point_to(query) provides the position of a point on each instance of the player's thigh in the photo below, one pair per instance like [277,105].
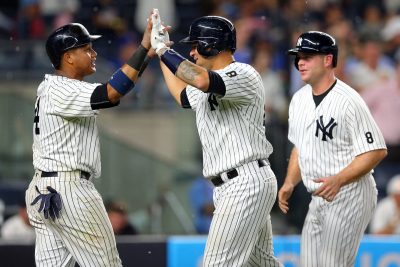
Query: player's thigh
[50,250]
[263,253]
[85,227]
[242,210]
[345,224]
[311,235]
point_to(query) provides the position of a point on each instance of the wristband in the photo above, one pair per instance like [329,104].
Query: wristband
[144,65]
[172,59]
[136,60]
[120,82]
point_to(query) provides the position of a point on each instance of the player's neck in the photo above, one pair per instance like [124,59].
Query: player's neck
[323,84]
[222,60]
[69,74]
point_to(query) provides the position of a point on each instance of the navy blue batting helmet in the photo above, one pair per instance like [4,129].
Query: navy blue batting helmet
[67,37]
[315,42]
[212,34]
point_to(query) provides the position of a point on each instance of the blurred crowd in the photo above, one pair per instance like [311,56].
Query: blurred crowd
[367,33]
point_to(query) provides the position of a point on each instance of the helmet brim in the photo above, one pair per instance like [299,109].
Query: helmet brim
[309,50]
[94,37]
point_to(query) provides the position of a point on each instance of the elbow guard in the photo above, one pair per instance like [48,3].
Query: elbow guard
[99,98]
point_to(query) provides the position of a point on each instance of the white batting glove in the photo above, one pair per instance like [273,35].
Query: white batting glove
[159,36]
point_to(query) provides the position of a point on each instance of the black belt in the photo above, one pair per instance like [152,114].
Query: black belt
[217,180]
[84,175]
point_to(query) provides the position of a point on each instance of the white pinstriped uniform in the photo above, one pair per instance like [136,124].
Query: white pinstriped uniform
[233,136]
[328,137]
[65,140]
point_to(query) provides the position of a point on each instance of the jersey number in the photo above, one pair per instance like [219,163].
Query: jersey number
[231,74]
[368,135]
[36,119]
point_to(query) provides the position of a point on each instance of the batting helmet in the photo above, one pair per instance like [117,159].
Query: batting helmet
[212,34]
[314,42]
[67,37]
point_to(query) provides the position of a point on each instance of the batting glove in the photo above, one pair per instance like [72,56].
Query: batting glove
[50,203]
[159,35]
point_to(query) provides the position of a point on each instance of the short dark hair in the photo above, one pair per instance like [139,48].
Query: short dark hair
[116,206]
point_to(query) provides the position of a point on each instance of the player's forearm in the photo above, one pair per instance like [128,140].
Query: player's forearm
[115,95]
[123,80]
[293,176]
[194,75]
[174,84]
[361,165]
[185,70]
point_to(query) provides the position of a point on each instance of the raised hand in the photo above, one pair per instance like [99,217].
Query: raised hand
[159,34]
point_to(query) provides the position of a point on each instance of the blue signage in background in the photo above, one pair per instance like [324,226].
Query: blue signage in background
[185,251]
[379,251]
[374,251]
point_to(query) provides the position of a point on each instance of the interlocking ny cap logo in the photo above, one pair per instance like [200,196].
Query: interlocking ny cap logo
[299,41]
[325,130]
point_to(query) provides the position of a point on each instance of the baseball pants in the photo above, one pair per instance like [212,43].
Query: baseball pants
[83,233]
[333,231]
[240,232]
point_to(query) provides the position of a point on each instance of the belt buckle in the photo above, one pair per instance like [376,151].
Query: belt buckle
[224,177]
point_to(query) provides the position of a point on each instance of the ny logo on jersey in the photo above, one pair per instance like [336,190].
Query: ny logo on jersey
[212,101]
[326,130]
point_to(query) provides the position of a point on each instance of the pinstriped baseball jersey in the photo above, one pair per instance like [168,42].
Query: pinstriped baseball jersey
[65,136]
[232,134]
[65,143]
[231,127]
[329,136]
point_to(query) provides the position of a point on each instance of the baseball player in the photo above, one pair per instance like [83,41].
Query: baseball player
[68,213]
[336,145]
[228,98]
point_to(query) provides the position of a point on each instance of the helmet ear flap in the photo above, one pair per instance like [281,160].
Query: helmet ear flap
[334,59]
[207,50]
[296,62]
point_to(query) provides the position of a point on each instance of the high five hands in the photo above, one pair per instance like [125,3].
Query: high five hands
[160,41]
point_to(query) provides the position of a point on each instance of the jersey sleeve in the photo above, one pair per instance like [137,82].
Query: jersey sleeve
[293,107]
[72,99]
[365,134]
[193,95]
[290,119]
[241,82]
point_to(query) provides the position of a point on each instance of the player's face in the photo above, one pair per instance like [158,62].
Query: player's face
[311,67]
[83,59]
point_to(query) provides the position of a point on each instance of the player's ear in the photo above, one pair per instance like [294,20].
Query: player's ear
[328,60]
[67,57]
